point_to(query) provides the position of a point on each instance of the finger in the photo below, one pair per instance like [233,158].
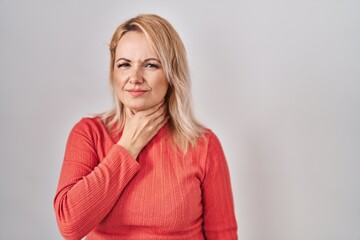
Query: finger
[129,113]
[161,111]
[163,122]
[158,106]
[156,128]
[159,119]
[155,118]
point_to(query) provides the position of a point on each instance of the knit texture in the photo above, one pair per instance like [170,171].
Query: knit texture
[104,193]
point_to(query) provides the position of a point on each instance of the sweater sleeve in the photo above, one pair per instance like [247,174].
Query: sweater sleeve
[218,207]
[87,188]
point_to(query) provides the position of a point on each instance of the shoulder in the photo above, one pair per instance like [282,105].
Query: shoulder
[88,127]
[210,152]
[211,137]
[209,141]
[89,122]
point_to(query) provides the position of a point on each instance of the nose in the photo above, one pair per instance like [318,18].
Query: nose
[136,76]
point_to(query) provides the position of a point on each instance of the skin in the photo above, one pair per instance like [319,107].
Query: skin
[141,86]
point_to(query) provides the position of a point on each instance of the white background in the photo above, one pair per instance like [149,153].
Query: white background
[277,81]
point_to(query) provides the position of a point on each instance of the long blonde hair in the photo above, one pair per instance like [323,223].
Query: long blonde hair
[167,44]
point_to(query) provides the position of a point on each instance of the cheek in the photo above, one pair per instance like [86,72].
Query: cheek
[161,83]
[118,85]
[119,81]
[162,87]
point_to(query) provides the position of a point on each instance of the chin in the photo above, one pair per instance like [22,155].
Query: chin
[140,104]
[137,108]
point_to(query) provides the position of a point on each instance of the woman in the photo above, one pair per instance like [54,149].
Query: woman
[147,169]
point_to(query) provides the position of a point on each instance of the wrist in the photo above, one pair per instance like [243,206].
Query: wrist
[129,149]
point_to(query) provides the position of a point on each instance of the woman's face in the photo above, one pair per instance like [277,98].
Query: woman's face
[139,77]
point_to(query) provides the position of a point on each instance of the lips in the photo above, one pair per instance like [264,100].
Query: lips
[136,92]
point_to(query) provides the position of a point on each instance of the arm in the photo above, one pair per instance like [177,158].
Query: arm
[218,206]
[87,189]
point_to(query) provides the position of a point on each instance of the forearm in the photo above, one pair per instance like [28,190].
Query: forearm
[82,202]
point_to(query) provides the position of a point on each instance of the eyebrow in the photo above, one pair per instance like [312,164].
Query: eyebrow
[148,59]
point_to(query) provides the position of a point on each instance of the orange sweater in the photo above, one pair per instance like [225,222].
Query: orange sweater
[104,193]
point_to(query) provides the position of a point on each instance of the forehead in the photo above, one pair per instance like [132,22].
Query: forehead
[134,46]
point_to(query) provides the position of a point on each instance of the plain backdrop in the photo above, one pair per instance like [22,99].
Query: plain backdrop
[278,82]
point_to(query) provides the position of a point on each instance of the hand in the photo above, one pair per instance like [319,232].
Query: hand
[141,127]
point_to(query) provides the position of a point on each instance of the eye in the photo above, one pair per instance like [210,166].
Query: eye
[123,65]
[152,65]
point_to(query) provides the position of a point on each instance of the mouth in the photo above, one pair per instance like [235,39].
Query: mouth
[136,92]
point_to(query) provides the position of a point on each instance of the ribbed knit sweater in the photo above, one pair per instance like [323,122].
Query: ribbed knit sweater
[104,193]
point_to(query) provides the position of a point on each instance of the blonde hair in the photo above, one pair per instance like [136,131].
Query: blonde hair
[167,44]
